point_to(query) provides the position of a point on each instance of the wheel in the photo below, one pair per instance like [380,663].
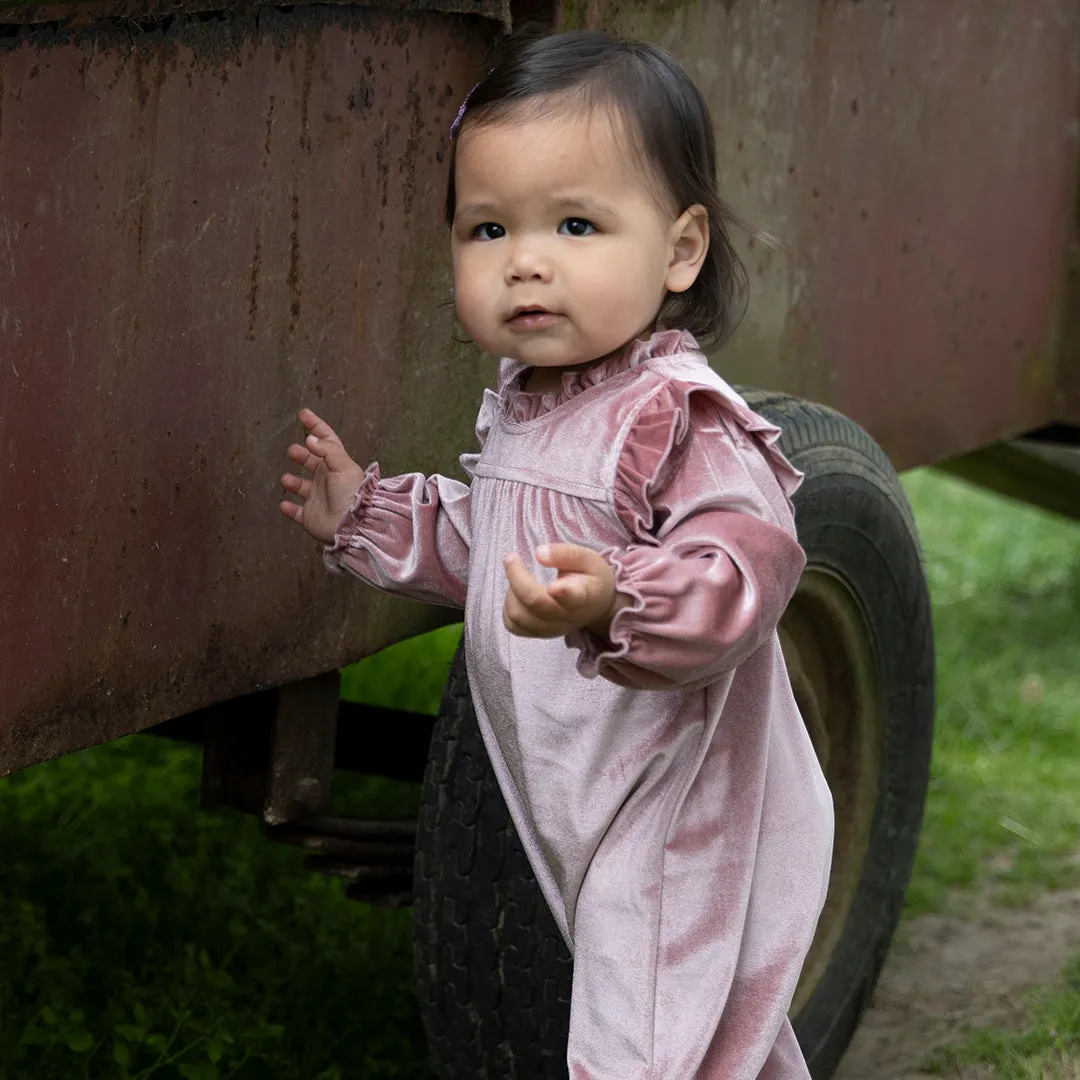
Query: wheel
[859,647]
[493,973]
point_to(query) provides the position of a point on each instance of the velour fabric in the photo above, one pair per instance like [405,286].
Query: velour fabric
[661,778]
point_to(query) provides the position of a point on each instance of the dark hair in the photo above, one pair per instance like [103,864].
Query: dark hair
[651,93]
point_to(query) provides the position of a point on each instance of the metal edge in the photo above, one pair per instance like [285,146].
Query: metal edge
[79,14]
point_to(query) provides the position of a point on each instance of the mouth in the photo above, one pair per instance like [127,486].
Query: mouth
[531,317]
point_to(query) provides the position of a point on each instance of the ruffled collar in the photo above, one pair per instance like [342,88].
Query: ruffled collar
[521,405]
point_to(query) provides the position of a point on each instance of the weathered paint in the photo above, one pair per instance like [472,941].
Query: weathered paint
[917,160]
[201,230]
[205,223]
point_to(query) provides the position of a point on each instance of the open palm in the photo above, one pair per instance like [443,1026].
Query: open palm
[323,495]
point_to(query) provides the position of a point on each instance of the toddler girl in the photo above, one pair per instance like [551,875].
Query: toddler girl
[623,553]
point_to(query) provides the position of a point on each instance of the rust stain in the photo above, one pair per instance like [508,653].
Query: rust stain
[293,279]
[361,98]
[253,293]
[358,309]
[269,128]
[382,164]
[305,96]
[407,169]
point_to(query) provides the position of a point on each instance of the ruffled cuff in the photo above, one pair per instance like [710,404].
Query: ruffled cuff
[352,521]
[597,651]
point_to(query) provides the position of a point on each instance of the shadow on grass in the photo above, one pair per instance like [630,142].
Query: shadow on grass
[141,938]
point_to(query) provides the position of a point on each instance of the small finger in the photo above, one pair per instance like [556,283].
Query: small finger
[569,557]
[320,447]
[512,622]
[296,485]
[548,619]
[516,617]
[527,589]
[521,581]
[327,453]
[303,457]
[523,623]
[316,425]
[569,591]
[293,511]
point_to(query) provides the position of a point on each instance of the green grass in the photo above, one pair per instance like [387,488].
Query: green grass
[406,676]
[1005,582]
[1002,816]
[1048,1048]
[142,939]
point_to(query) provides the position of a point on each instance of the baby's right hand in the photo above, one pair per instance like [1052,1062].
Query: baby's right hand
[334,478]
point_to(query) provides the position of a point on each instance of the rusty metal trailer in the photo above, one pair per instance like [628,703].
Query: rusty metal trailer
[210,213]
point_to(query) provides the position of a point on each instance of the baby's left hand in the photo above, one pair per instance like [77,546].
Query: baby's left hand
[583,595]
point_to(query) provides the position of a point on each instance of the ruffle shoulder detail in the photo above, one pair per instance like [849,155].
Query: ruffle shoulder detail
[659,435]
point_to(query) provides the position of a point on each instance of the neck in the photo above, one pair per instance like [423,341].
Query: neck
[544,380]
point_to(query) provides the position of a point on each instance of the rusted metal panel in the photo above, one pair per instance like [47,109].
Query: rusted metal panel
[918,161]
[206,222]
[200,230]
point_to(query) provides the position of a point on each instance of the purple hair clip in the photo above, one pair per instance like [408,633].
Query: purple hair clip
[460,114]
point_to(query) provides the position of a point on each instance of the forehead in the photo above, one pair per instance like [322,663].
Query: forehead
[532,156]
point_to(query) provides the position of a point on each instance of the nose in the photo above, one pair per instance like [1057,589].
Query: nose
[527,263]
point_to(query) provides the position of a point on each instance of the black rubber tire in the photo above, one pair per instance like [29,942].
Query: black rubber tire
[493,973]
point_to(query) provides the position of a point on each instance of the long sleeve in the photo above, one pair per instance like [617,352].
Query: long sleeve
[710,568]
[407,535]
[410,534]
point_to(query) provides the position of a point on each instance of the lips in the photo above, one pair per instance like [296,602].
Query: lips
[531,317]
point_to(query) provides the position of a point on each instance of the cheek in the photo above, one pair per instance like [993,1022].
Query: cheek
[475,294]
[467,286]
[619,284]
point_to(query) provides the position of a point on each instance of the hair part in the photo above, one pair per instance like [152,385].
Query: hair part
[646,90]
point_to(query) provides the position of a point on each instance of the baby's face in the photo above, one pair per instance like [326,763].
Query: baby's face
[560,253]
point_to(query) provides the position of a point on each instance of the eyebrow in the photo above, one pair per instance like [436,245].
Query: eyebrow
[588,206]
[474,210]
[580,203]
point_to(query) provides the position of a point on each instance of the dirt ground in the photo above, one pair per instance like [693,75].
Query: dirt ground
[946,975]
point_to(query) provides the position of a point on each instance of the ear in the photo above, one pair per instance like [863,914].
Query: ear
[688,242]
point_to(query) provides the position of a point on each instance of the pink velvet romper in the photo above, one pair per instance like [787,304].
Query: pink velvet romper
[662,780]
